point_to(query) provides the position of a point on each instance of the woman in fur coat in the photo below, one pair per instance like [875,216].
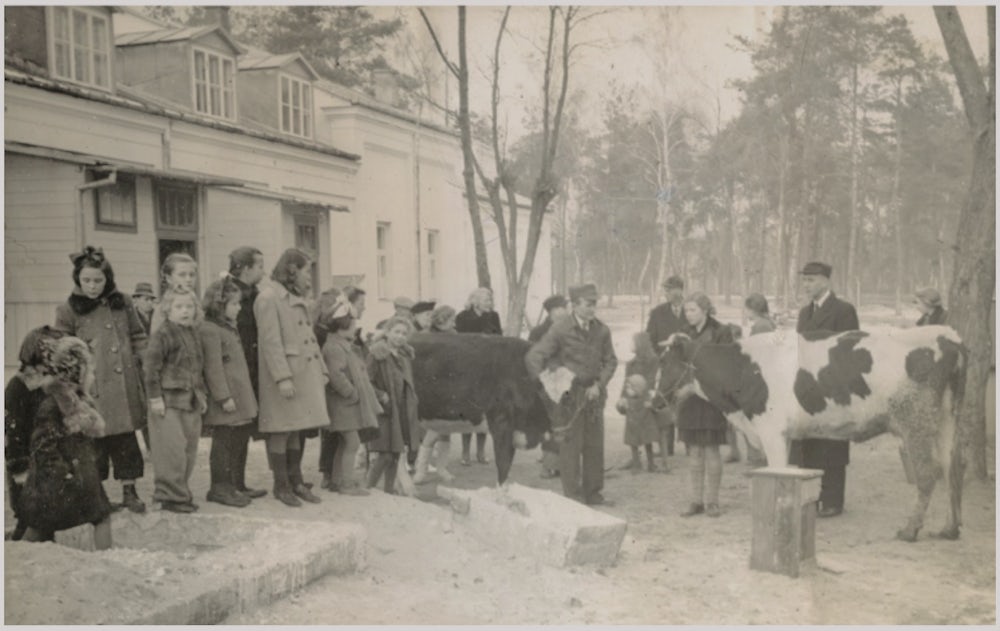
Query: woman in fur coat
[104,318]
[390,366]
[63,488]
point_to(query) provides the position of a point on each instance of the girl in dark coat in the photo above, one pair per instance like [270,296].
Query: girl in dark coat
[22,398]
[231,402]
[478,317]
[100,315]
[701,426]
[391,370]
[63,489]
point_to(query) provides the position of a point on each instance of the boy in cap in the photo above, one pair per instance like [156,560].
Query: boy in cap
[582,344]
[667,318]
[825,312]
[144,300]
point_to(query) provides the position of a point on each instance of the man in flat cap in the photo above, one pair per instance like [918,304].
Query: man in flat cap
[667,318]
[825,312]
[582,344]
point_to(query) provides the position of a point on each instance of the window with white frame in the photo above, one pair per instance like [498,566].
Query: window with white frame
[214,84]
[115,205]
[296,107]
[433,239]
[80,46]
[382,249]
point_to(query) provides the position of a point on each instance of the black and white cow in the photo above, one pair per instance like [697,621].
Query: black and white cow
[848,386]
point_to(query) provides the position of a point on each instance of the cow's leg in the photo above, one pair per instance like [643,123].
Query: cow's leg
[919,433]
[503,448]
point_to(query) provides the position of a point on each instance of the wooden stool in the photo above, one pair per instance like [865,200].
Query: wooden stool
[784,518]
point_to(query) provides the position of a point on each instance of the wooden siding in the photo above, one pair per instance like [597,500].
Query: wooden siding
[39,219]
[24,33]
[235,219]
[163,70]
[132,255]
[46,119]
[257,94]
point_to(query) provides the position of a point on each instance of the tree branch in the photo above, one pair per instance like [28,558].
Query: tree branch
[437,44]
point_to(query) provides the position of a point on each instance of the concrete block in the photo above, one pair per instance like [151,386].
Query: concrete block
[173,569]
[538,523]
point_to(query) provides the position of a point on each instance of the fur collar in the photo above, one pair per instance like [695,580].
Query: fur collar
[380,349]
[82,305]
[78,410]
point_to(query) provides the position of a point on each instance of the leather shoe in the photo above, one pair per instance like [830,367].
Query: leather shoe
[830,511]
[302,491]
[286,497]
[177,507]
[252,493]
[228,497]
[694,509]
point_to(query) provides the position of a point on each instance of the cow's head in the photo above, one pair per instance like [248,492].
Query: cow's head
[677,380]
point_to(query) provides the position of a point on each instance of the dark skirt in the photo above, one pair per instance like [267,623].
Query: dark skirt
[702,437]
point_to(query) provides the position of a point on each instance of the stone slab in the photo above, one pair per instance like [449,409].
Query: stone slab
[538,523]
[173,569]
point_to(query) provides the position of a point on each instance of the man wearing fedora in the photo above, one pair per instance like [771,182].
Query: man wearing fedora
[825,312]
[144,300]
[581,343]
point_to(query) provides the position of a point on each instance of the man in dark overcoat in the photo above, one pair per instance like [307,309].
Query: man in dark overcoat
[825,312]
[581,343]
[667,318]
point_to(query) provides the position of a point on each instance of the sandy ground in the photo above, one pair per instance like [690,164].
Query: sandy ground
[423,569]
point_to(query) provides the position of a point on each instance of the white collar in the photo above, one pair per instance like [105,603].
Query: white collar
[822,299]
[583,325]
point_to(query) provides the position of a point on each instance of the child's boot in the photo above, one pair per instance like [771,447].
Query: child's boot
[299,487]
[282,487]
[130,498]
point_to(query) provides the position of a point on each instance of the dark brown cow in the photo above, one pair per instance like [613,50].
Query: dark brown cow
[465,377]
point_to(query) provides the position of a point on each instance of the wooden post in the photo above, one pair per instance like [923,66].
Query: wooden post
[784,518]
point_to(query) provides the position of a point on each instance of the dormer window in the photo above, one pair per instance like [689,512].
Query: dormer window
[214,84]
[80,45]
[296,107]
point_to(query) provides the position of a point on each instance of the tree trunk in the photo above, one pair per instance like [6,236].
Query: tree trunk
[783,254]
[895,204]
[852,236]
[973,283]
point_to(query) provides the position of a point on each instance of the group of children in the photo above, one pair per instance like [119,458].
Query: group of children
[87,384]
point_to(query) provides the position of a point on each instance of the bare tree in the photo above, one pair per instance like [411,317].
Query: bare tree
[461,72]
[974,279]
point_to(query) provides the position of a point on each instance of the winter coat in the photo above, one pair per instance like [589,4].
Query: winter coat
[392,373]
[174,367]
[246,326]
[287,349]
[663,323]
[696,413]
[63,488]
[226,376]
[350,397]
[468,321]
[20,406]
[938,316]
[110,327]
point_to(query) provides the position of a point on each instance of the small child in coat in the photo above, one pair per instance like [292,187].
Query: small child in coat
[640,421]
[173,368]
[232,405]
[63,488]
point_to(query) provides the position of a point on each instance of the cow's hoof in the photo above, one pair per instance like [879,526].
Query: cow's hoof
[951,534]
[907,534]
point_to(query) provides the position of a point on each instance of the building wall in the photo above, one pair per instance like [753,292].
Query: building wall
[164,70]
[24,32]
[235,219]
[257,94]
